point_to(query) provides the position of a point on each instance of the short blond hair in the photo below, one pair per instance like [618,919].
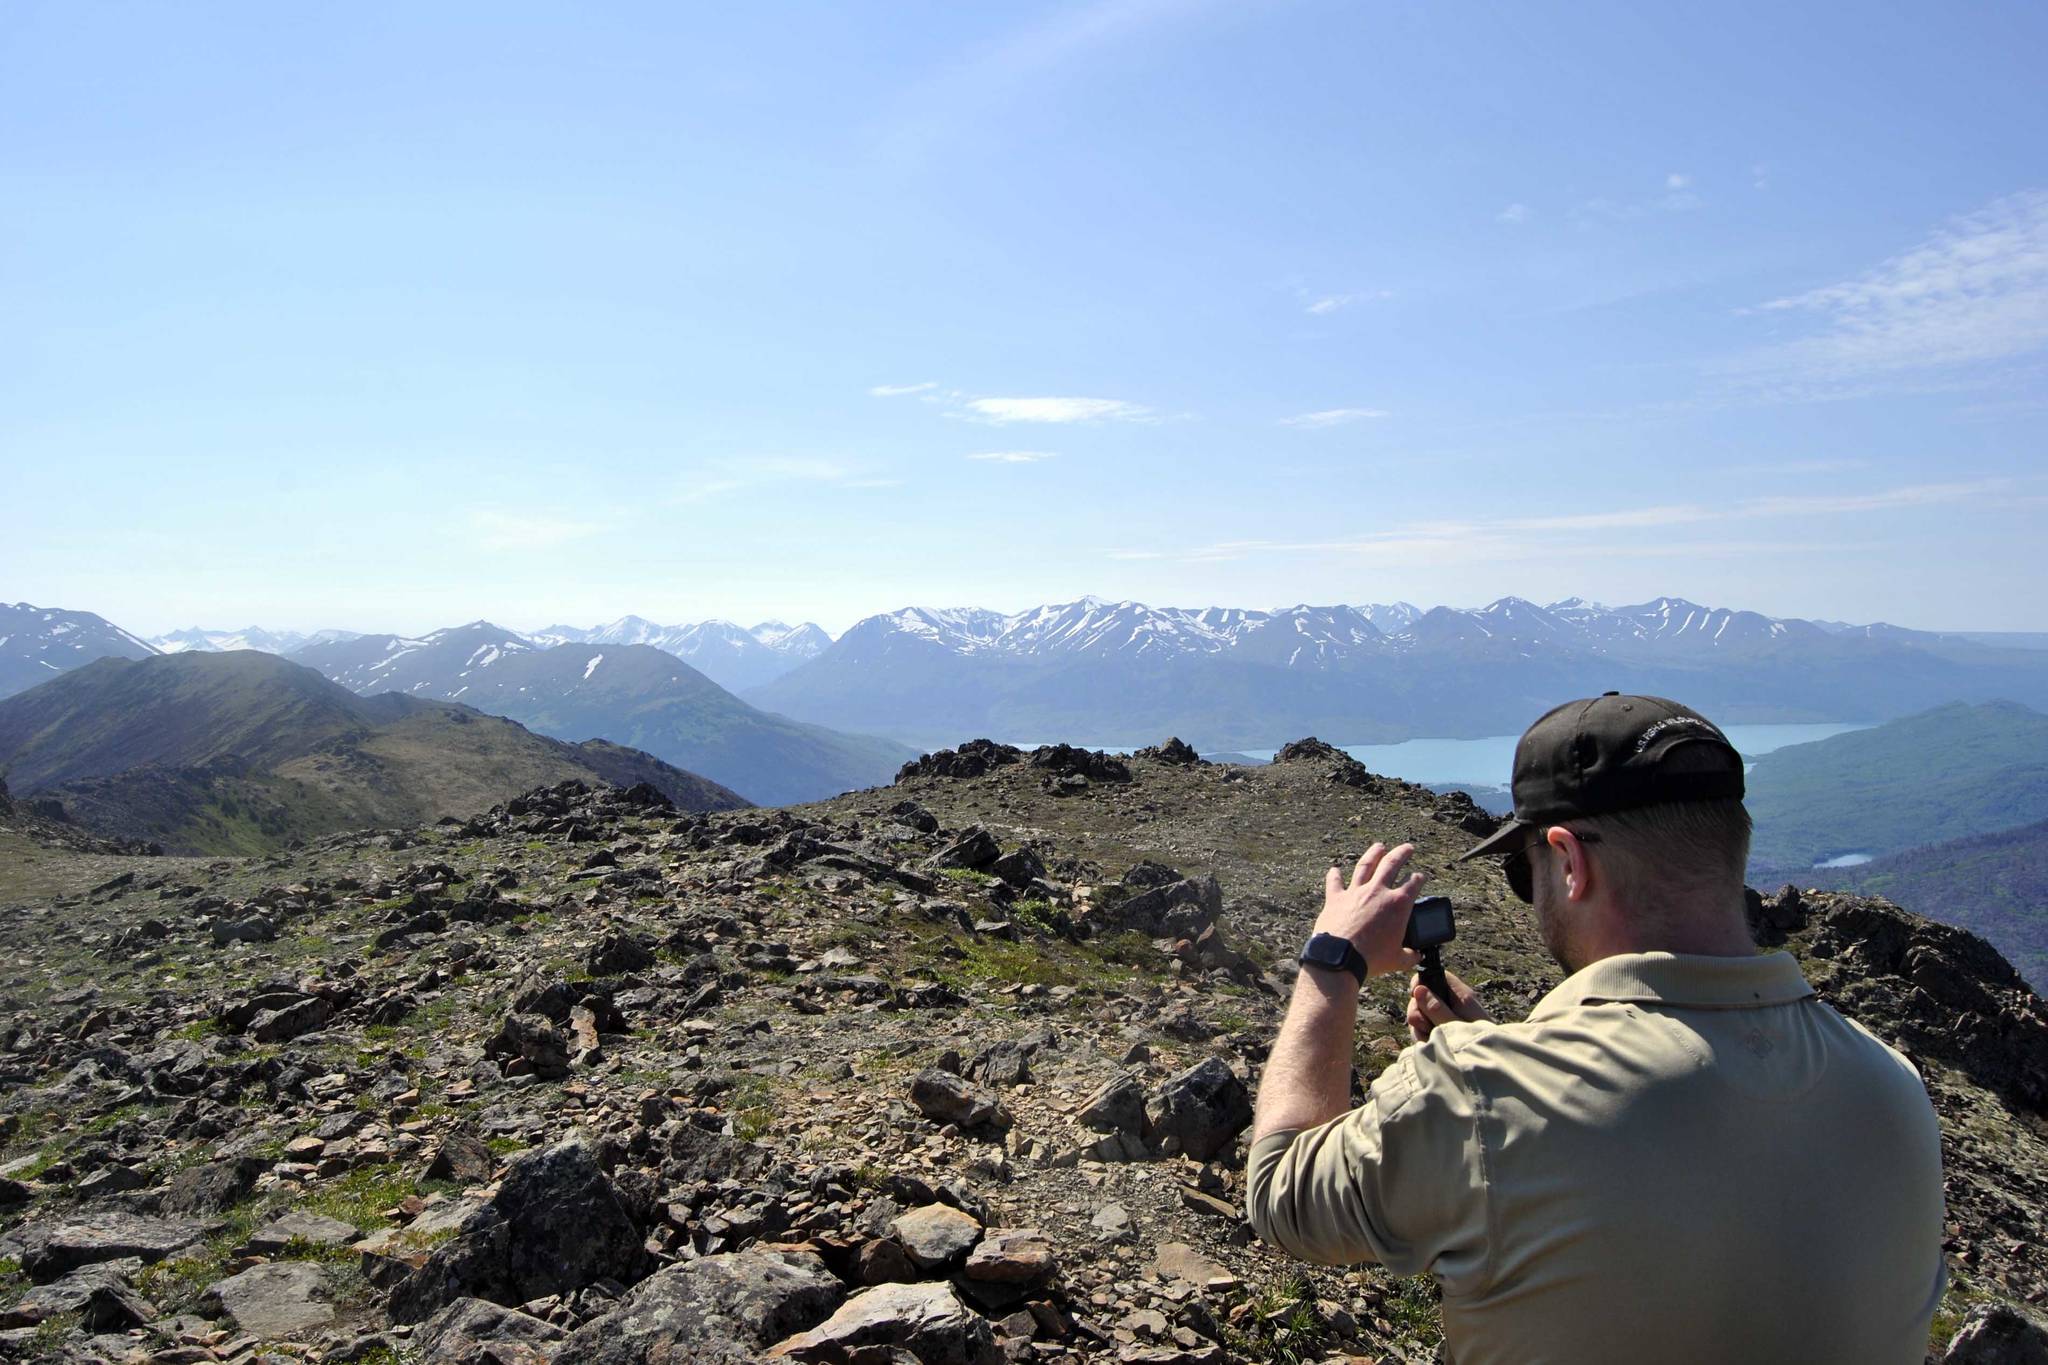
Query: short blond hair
[1676,846]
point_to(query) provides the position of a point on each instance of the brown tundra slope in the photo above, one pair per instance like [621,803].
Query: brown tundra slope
[956,1068]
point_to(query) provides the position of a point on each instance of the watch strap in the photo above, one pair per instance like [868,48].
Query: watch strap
[1330,950]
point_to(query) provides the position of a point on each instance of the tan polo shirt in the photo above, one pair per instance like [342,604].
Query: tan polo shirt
[1674,1158]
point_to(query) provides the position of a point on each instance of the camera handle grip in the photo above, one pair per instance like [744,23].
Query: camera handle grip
[1432,974]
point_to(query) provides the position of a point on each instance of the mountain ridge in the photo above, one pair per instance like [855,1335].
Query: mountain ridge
[241,751]
[632,694]
[1101,672]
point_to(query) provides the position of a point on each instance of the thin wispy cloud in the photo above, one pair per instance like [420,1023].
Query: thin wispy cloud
[1057,410]
[1514,213]
[492,529]
[1326,304]
[1015,64]
[1677,196]
[900,390]
[1332,417]
[1012,456]
[1493,539]
[1975,293]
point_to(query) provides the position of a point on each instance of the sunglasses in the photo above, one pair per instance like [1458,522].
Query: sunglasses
[1522,876]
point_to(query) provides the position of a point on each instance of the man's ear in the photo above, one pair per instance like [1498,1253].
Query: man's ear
[1578,868]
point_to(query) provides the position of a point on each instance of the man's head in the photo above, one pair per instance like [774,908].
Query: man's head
[1629,830]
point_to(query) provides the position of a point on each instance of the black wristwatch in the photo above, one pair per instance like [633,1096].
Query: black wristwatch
[1328,950]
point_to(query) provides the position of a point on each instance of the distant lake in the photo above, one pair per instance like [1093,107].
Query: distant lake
[1488,762]
[1845,860]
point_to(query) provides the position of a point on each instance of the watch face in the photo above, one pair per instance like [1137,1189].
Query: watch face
[1325,950]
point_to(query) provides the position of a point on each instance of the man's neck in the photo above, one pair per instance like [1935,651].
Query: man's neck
[1706,932]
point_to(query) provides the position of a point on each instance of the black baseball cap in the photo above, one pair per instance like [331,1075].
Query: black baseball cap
[1608,753]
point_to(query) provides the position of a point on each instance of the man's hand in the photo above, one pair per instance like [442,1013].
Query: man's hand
[1425,1011]
[1373,911]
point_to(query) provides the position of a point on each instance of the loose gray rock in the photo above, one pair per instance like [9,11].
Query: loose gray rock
[945,1098]
[100,1294]
[1019,867]
[284,1300]
[936,1237]
[718,1310]
[1200,1111]
[532,1039]
[1118,1106]
[213,1186]
[48,1250]
[465,1327]
[312,1229]
[556,1224]
[927,1320]
[1011,1256]
[616,954]
[975,850]
[1998,1335]
[253,929]
[281,1025]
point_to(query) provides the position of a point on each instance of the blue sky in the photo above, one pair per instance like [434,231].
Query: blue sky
[388,317]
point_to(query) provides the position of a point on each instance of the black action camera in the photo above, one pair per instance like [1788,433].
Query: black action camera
[1430,927]
[1430,924]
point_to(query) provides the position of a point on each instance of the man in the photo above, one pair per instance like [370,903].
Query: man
[1680,1155]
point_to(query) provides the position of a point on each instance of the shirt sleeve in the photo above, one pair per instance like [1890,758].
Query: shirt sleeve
[1400,1180]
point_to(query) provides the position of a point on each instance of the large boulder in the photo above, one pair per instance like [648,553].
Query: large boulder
[213,1186]
[556,1224]
[467,1328]
[617,953]
[99,1294]
[282,1300]
[971,759]
[1176,752]
[1116,1106]
[47,1250]
[1065,760]
[1998,1335]
[717,1310]
[1022,1256]
[945,1098]
[974,851]
[290,1021]
[1200,1111]
[1181,908]
[927,1320]
[937,1237]
[531,1043]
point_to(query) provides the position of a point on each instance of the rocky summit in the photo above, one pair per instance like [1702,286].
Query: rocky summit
[956,1071]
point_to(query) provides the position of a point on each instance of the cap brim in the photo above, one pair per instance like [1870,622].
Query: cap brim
[1503,840]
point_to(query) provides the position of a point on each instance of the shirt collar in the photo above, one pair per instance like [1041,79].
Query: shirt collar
[1684,979]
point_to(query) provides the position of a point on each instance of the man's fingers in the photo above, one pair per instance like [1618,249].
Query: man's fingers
[1333,880]
[1422,998]
[1413,884]
[1366,862]
[1391,865]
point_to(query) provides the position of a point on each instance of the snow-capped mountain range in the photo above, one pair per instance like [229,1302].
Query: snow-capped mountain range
[730,655]
[249,637]
[1125,672]
[1314,637]
[1120,672]
[38,643]
[627,692]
